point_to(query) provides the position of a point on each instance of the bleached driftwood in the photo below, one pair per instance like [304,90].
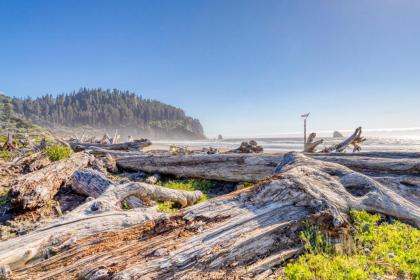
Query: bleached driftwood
[226,167]
[36,188]
[135,145]
[94,217]
[92,183]
[248,233]
[310,145]
[355,140]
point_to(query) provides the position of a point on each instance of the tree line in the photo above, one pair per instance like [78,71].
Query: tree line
[104,108]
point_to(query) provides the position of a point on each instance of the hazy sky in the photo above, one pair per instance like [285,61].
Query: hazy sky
[241,67]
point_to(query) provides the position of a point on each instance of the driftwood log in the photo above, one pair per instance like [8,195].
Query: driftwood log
[135,145]
[355,140]
[247,234]
[36,188]
[226,167]
[251,168]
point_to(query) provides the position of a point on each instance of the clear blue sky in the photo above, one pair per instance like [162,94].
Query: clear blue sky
[241,67]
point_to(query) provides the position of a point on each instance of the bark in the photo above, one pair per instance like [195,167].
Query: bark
[35,189]
[135,145]
[247,234]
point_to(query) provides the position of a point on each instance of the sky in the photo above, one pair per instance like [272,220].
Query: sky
[244,68]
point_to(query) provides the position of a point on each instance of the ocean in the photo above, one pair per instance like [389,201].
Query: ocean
[397,143]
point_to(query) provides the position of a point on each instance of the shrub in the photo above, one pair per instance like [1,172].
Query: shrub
[382,249]
[57,152]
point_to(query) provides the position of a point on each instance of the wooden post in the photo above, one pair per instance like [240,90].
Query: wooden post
[304,116]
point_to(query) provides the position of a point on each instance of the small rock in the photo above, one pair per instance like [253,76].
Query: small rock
[391,255]
[337,134]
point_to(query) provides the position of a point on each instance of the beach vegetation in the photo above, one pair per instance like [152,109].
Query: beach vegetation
[57,152]
[382,250]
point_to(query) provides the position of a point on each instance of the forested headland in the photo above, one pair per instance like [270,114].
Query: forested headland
[109,110]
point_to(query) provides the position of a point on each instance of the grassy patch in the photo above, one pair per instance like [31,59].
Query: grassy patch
[190,185]
[3,197]
[6,155]
[381,250]
[57,152]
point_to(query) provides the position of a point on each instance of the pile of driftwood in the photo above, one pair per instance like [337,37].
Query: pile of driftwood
[248,233]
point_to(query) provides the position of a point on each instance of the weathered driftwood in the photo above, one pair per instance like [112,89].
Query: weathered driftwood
[36,188]
[355,140]
[93,217]
[251,168]
[135,145]
[375,165]
[92,183]
[310,145]
[226,167]
[248,233]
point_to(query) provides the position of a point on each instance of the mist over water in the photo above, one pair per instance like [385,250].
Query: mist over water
[377,140]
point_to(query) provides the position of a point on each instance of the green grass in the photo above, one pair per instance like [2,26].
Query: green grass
[3,197]
[190,185]
[57,152]
[6,155]
[380,250]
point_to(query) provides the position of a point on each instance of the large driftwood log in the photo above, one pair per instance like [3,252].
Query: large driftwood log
[251,168]
[248,233]
[36,188]
[135,145]
[226,167]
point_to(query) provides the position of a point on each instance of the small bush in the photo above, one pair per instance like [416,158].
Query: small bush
[382,250]
[57,152]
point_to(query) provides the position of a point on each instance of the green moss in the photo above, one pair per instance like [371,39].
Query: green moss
[190,185]
[382,250]
[57,152]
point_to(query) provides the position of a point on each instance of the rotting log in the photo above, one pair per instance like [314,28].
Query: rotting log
[135,145]
[34,189]
[248,233]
